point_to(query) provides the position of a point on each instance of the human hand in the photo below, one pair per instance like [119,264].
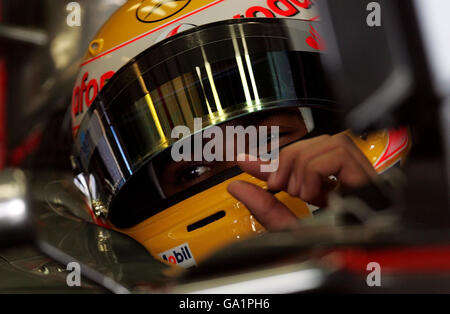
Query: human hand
[304,171]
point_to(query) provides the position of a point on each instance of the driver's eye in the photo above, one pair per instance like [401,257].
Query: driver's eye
[192,173]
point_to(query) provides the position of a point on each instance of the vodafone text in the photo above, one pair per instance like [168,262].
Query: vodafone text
[280,8]
[84,95]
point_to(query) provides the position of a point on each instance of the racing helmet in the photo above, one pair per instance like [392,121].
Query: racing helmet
[201,64]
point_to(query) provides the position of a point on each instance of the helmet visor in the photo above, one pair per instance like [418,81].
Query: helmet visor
[218,73]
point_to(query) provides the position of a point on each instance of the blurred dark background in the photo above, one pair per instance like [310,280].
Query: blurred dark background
[39,60]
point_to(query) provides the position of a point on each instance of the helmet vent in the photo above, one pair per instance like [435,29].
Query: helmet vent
[206,221]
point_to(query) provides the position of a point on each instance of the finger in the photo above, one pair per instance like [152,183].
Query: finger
[320,148]
[280,179]
[267,209]
[338,162]
[253,167]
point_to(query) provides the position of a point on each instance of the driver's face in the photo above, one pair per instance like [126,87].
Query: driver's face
[177,176]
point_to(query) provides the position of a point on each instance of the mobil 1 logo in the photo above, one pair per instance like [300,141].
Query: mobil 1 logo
[180,255]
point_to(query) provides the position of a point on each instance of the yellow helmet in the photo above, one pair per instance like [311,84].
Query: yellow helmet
[161,64]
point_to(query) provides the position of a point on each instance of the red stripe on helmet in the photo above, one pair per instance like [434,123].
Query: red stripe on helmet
[398,140]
